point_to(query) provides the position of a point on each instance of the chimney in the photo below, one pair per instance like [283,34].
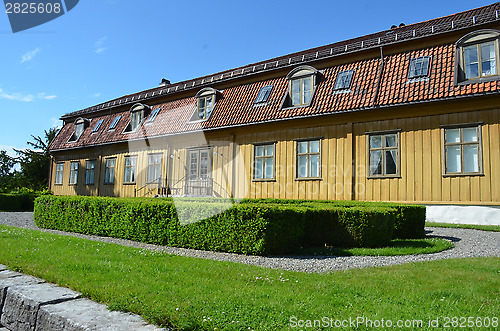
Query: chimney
[164,82]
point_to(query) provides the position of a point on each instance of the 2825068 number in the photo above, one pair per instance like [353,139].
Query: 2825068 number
[32,8]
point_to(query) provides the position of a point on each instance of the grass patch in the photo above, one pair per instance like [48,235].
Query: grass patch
[493,228]
[395,247]
[198,294]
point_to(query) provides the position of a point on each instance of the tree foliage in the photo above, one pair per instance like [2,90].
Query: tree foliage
[35,163]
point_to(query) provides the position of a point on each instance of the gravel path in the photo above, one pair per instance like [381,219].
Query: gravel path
[468,243]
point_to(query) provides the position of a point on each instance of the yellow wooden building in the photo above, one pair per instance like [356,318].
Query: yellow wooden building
[410,114]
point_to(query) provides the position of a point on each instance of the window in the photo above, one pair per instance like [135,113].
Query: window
[477,56]
[462,147]
[73,173]
[480,60]
[383,154]
[137,114]
[343,80]
[115,122]
[308,158]
[263,94]
[153,115]
[129,169]
[89,172]
[301,91]
[80,125]
[301,86]
[59,173]
[154,167]
[263,162]
[419,67]
[109,171]
[205,107]
[206,99]
[97,126]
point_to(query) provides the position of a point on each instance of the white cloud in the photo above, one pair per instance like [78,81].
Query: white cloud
[30,55]
[25,97]
[99,45]
[56,123]
[96,95]
[10,150]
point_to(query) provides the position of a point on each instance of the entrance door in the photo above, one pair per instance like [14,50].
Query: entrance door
[199,179]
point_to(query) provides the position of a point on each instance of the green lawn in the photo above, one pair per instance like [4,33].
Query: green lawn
[395,247]
[494,228]
[197,294]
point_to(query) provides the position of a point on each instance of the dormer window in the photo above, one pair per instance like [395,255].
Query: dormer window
[344,79]
[80,125]
[301,86]
[137,114]
[419,67]
[477,57]
[207,98]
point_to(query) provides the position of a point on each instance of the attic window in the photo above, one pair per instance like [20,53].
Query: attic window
[80,125]
[115,122]
[301,87]
[97,126]
[137,114]
[207,99]
[477,56]
[263,94]
[153,115]
[343,81]
[419,67]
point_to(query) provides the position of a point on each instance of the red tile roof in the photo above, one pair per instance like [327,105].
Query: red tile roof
[236,104]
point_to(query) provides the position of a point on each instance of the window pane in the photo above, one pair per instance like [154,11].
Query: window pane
[470,54]
[471,70]
[302,147]
[259,151]
[127,174]
[390,140]
[453,163]
[376,163]
[453,135]
[390,162]
[296,86]
[375,141]
[488,68]
[314,166]
[487,51]
[269,150]
[296,99]
[259,168]
[471,160]
[269,165]
[302,166]
[470,134]
[314,146]
[307,97]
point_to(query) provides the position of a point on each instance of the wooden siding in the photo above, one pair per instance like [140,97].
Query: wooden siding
[344,162]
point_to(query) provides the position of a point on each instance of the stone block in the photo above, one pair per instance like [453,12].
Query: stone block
[84,314]
[2,267]
[11,278]
[22,303]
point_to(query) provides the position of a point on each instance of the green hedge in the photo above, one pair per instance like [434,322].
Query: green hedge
[17,202]
[265,227]
[409,222]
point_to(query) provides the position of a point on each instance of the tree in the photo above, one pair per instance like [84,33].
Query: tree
[6,170]
[35,163]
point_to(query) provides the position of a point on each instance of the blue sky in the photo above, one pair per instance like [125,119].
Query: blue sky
[103,49]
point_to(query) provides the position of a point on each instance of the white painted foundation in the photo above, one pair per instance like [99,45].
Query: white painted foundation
[484,215]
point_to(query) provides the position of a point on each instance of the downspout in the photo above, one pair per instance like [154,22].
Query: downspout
[379,81]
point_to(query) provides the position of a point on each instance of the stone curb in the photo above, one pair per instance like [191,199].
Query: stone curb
[30,304]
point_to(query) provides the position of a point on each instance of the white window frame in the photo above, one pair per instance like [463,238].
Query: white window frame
[59,174]
[462,144]
[109,170]
[308,156]
[73,172]
[264,157]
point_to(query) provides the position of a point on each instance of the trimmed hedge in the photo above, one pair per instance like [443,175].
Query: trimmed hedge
[409,222]
[17,202]
[265,227]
